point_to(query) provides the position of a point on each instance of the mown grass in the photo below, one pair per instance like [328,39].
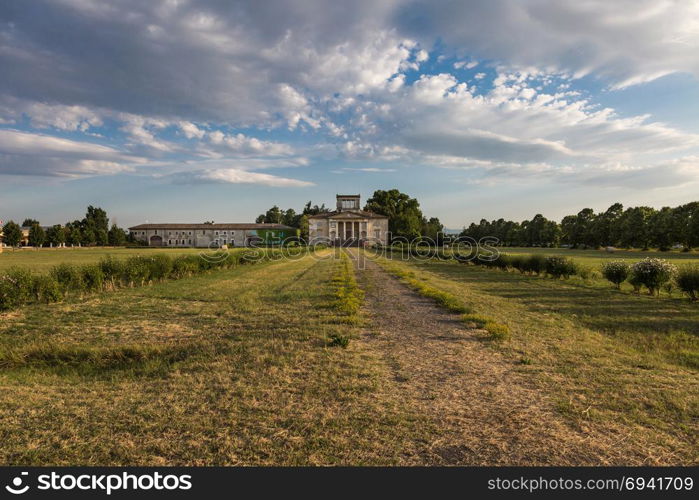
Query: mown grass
[628,363]
[43,259]
[595,258]
[446,300]
[231,367]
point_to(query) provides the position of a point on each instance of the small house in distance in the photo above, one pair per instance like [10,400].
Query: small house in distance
[348,224]
[209,235]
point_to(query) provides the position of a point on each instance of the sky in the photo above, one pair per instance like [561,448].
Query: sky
[186,111]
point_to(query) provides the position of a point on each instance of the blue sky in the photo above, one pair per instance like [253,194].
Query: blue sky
[177,110]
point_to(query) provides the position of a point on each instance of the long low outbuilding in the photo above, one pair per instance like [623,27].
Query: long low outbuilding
[210,235]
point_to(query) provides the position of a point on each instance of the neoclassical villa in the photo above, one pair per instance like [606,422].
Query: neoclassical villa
[211,235]
[348,224]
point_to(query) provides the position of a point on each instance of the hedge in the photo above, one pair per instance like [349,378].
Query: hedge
[18,286]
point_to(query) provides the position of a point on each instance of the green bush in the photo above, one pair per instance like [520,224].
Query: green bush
[616,271]
[183,266]
[653,273]
[137,271]
[535,263]
[112,270]
[92,277]
[518,262]
[15,288]
[46,289]
[160,266]
[560,266]
[68,276]
[688,281]
[339,340]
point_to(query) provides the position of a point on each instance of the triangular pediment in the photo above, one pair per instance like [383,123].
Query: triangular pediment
[348,215]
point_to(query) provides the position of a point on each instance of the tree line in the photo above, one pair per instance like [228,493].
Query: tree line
[633,227]
[92,230]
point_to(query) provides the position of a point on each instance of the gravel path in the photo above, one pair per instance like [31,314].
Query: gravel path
[486,412]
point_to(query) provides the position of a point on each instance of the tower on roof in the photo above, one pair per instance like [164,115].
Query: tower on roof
[347,202]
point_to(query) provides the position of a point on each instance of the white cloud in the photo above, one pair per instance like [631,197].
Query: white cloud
[23,153]
[235,176]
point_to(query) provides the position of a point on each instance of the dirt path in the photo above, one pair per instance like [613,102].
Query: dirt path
[486,412]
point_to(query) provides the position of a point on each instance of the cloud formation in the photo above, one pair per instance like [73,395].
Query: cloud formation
[99,87]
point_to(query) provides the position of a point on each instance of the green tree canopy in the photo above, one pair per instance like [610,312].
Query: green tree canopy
[11,234]
[403,212]
[37,236]
[56,235]
[29,222]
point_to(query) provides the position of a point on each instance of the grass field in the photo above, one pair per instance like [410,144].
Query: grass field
[43,259]
[279,363]
[611,359]
[595,258]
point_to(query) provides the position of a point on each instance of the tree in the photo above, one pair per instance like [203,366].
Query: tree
[117,236]
[273,216]
[12,234]
[37,236]
[432,229]
[29,222]
[56,235]
[101,237]
[96,218]
[88,237]
[403,212]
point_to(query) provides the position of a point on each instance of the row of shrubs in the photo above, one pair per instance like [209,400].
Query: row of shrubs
[19,286]
[552,265]
[654,274]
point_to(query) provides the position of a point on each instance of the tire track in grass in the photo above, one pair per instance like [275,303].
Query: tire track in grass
[484,412]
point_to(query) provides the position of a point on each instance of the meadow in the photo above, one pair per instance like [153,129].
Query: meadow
[323,361]
[42,260]
[595,258]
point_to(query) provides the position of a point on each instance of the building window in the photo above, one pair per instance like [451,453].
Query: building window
[333,224]
[189,242]
[377,233]
[169,242]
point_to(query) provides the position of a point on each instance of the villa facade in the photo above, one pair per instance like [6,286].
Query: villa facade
[348,224]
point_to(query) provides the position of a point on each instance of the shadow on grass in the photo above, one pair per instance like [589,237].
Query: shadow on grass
[647,323]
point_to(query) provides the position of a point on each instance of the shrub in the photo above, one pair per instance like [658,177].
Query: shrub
[92,277]
[616,271]
[535,264]
[653,273]
[160,267]
[497,331]
[560,266]
[518,262]
[688,281]
[339,340]
[183,266]
[46,289]
[15,288]
[136,271]
[112,270]
[68,277]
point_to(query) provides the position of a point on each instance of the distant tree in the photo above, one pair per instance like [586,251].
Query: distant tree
[101,237]
[11,234]
[29,222]
[303,226]
[432,229]
[635,227]
[37,236]
[273,216]
[315,209]
[117,236]
[289,218]
[96,218]
[88,237]
[56,235]
[403,212]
